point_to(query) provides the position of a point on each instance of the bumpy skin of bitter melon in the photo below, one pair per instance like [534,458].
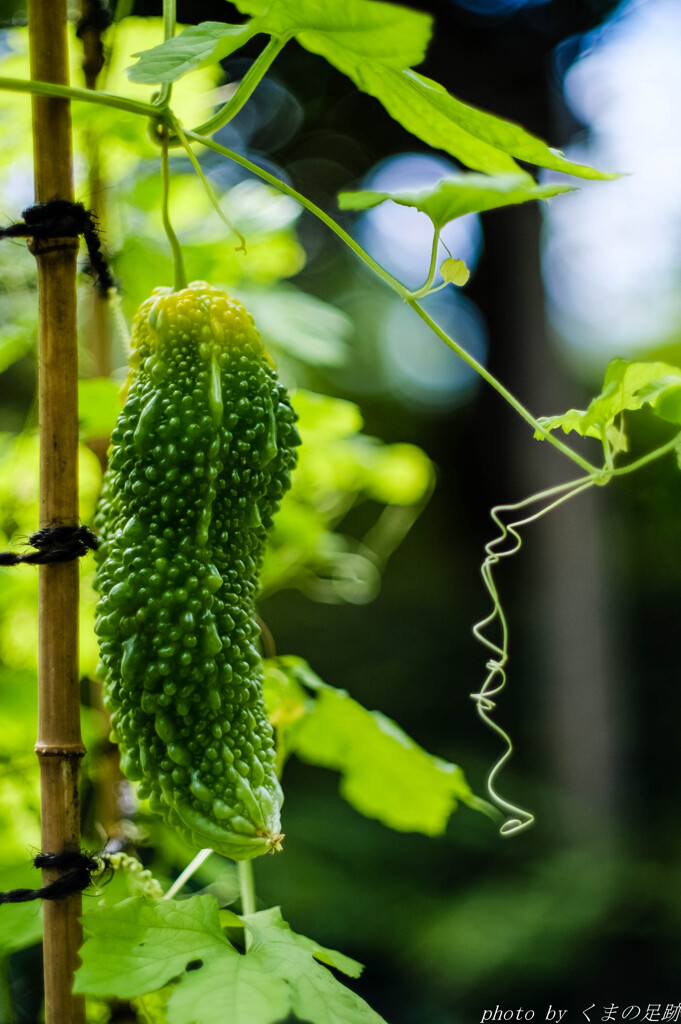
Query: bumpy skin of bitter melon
[200,459]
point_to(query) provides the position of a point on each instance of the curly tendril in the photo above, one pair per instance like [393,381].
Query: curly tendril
[517,818]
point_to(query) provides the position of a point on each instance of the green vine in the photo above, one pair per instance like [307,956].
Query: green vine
[495,681]
[166,130]
[245,89]
[72,92]
[427,286]
[179,272]
[517,818]
[163,115]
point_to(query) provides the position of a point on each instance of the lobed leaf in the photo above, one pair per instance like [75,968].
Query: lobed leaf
[235,989]
[456,196]
[375,44]
[269,926]
[626,387]
[139,945]
[316,996]
[153,942]
[392,35]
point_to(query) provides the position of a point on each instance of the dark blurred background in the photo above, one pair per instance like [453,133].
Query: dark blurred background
[584,908]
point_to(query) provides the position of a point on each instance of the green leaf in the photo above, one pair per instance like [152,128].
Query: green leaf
[627,386]
[230,988]
[456,196]
[490,130]
[269,926]
[395,37]
[568,421]
[138,945]
[455,272]
[99,404]
[300,672]
[278,975]
[664,396]
[316,996]
[285,699]
[351,31]
[196,47]
[479,140]
[252,7]
[384,773]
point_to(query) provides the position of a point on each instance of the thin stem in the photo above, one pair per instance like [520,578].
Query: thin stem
[307,203]
[438,288]
[208,187]
[246,886]
[72,92]
[179,273]
[247,891]
[245,89]
[122,10]
[168,32]
[403,292]
[185,875]
[426,286]
[504,392]
[168,19]
[650,457]
[607,450]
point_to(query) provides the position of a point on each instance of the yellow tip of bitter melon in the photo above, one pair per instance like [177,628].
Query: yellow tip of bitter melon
[200,459]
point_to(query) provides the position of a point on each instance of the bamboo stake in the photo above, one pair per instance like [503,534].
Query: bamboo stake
[59,746]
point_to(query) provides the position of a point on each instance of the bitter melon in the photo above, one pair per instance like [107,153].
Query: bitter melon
[199,461]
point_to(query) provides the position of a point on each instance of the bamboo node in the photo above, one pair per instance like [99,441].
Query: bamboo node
[70,751]
[43,246]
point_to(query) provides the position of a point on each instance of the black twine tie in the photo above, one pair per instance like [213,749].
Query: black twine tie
[54,544]
[60,218]
[78,870]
